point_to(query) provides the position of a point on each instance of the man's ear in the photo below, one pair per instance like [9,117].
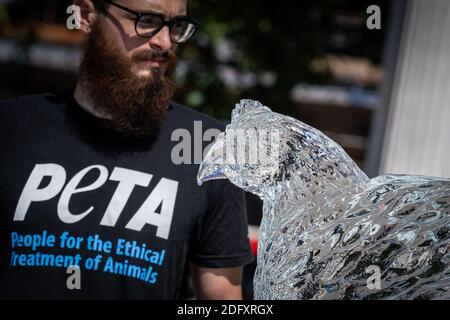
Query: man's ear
[86,15]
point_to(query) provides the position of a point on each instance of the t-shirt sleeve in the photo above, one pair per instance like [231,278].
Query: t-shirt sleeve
[220,239]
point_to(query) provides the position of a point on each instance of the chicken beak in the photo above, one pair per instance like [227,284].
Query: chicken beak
[211,167]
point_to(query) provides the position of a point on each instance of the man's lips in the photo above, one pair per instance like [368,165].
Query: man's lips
[155,62]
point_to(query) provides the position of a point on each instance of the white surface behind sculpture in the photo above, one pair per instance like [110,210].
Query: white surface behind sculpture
[418,135]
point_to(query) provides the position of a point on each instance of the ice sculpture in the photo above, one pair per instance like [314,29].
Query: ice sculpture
[327,229]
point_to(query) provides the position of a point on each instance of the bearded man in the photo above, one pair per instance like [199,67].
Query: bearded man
[92,204]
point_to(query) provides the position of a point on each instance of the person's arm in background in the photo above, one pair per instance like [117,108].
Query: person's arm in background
[217,284]
[219,246]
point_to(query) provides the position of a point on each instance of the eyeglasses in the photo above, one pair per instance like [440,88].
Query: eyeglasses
[149,24]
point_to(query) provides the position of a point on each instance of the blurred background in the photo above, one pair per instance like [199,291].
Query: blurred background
[383,94]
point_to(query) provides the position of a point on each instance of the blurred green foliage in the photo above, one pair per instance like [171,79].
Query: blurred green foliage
[3,14]
[268,47]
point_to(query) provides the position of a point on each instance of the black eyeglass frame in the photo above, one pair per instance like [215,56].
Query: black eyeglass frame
[165,22]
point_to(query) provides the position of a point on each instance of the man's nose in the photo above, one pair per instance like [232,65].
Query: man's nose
[162,39]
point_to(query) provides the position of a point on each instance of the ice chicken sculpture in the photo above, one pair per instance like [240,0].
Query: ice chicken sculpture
[328,231]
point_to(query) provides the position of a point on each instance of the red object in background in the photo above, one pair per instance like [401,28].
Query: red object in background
[254,246]
[253,236]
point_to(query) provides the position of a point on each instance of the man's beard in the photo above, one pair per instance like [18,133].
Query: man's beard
[135,107]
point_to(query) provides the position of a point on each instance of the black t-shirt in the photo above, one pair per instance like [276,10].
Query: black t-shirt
[72,193]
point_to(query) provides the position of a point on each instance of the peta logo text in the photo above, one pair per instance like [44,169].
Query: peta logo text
[163,196]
